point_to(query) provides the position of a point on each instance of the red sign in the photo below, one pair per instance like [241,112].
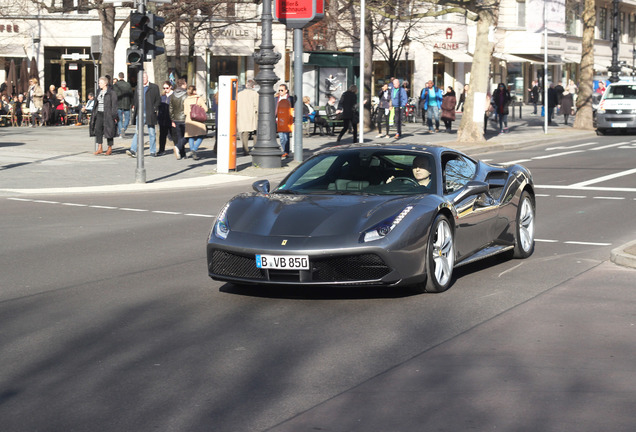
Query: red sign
[298,13]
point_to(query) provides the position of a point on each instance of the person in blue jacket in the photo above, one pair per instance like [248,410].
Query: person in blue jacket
[432,102]
[399,98]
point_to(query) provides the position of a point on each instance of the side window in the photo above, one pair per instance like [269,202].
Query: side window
[457,172]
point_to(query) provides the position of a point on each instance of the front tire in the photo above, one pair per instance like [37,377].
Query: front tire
[440,256]
[524,241]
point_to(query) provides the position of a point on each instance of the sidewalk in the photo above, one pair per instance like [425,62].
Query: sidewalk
[60,159]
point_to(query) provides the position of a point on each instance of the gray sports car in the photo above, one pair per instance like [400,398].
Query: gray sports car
[374,215]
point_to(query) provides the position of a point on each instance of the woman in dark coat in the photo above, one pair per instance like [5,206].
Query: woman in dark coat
[448,108]
[347,106]
[567,102]
[501,100]
[104,118]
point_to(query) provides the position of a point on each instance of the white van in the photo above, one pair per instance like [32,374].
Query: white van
[617,108]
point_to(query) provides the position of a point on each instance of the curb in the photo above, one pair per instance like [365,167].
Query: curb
[624,255]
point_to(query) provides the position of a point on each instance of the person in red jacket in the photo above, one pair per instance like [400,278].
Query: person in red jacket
[284,118]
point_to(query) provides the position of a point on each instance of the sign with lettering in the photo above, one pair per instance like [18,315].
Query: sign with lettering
[298,13]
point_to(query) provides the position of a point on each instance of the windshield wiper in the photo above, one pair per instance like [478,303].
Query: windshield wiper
[286,191]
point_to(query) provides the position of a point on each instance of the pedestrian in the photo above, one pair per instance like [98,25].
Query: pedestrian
[534,95]
[163,118]
[35,100]
[87,110]
[573,90]
[178,117]
[383,110]
[195,130]
[152,99]
[552,103]
[448,108]
[284,118]
[247,114]
[559,91]
[125,97]
[601,87]
[567,104]
[103,122]
[19,108]
[501,101]
[348,112]
[432,102]
[331,109]
[399,99]
[311,115]
[462,99]
[488,111]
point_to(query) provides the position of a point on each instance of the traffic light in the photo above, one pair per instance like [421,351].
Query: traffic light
[154,35]
[136,54]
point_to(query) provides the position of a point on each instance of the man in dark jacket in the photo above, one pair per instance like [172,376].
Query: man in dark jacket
[125,96]
[347,107]
[152,100]
[178,117]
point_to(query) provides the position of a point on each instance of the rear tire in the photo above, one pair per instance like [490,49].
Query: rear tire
[524,232]
[440,256]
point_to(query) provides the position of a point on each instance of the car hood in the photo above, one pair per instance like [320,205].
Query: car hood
[310,216]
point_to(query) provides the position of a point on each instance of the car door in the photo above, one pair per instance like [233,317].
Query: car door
[476,214]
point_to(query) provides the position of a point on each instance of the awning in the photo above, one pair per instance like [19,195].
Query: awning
[456,56]
[572,58]
[539,58]
[510,58]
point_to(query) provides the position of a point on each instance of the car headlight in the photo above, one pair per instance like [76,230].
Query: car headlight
[600,111]
[221,225]
[386,226]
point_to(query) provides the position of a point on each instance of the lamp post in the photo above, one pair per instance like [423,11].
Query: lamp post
[615,68]
[406,45]
[266,153]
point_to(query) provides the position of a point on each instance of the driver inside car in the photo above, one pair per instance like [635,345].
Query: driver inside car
[421,171]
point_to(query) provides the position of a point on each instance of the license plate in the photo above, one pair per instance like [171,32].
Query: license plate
[283,262]
[619,125]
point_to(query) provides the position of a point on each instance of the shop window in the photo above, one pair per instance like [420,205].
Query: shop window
[68,6]
[521,13]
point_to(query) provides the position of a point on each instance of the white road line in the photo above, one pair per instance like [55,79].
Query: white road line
[75,205]
[609,198]
[586,188]
[20,199]
[542,195]
[46,202]
[166,212]
[557,154]
[199,215]
[133,209]
[587,243]
[515,162]
[605,178]
[571,196]
[103,207]
[545,241]
[609,146]
[571,147]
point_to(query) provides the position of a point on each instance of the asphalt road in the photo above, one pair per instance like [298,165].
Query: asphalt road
[109,321]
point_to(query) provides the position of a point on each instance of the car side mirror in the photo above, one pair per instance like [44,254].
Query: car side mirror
[261,186]
[473,187]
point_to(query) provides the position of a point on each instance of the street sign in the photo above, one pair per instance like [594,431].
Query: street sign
[75,56]
[298,13]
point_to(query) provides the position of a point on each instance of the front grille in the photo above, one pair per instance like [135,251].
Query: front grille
[620,119]
[228,264]
[349,268]
[615,111]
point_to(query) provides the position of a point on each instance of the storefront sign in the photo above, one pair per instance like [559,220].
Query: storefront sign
[9,28]
[447,45]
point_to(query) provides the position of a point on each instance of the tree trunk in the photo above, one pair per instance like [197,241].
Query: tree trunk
[107,18]
[368,71]
[584,115]
[471,128]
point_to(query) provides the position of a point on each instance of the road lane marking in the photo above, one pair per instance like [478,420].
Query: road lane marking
[609,146]
[103,207]
[571,147]
[587,188]
[608,198]
[199,215]
[74,204]
[132,209]
[515,162]
[571,196]
[605,178]
[545,241]
[166,212]
[46,202]
[557,154]
[587,243]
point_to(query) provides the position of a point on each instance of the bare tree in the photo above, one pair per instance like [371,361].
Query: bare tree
[584,115]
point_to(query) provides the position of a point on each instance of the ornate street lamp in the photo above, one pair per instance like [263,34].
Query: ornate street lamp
[266,152]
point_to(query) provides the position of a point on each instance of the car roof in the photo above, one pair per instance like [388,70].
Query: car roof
[433,149]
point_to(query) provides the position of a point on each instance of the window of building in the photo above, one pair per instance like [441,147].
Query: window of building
[632,28]
[621,26]
[602,24]
[521,13]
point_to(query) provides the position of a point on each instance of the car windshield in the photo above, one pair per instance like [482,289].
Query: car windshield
[364,171]
[621,92]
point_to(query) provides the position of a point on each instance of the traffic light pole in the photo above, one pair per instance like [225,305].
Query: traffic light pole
[140,171]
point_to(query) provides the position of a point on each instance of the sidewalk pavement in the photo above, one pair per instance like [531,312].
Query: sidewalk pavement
[59,159]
